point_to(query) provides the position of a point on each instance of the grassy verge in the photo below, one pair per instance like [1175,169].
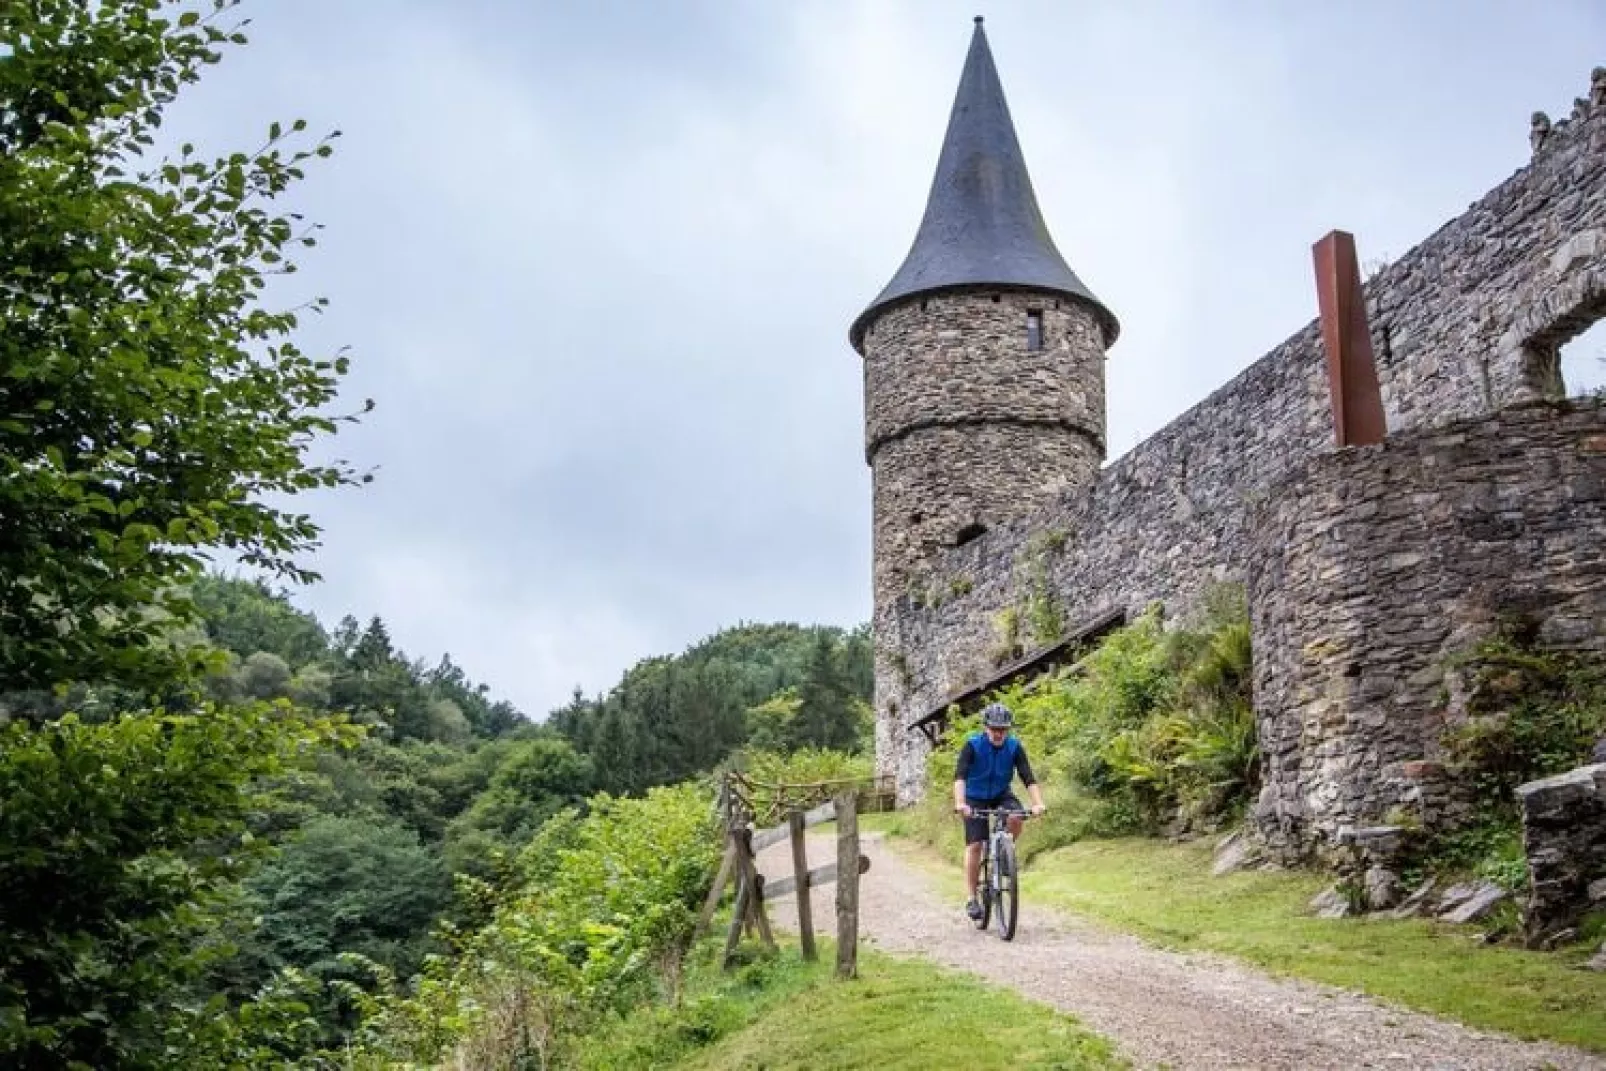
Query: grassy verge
[780,1013]
[1165,893]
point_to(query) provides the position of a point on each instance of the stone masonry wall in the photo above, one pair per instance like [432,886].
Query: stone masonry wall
[1369,567]
[1564,838]
[1468,321]
[965,426]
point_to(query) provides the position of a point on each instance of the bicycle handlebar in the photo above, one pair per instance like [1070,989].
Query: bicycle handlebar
[988,812]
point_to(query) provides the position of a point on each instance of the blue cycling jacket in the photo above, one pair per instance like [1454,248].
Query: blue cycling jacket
[988,770]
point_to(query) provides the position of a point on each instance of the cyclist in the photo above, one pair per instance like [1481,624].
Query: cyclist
[988,763]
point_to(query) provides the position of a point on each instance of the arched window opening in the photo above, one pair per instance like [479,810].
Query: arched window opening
[1582,363]
[1565,356]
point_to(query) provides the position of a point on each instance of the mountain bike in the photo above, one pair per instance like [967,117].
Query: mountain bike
[998,885]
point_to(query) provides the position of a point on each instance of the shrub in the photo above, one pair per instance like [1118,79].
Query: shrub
[1153,726]
[603,915]
[120,847]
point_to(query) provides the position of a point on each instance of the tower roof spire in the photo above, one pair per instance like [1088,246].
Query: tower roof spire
[982,225]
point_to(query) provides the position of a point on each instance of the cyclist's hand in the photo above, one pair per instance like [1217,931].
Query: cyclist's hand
[964,809]
[1039,809]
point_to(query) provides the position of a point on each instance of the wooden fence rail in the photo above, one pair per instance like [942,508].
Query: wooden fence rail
[768,804]
[739,865]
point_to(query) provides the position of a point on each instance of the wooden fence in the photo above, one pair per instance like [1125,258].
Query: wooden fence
[768,804]
[792,809]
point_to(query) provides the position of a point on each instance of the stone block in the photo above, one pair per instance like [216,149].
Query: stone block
[1562,790]
[1382,888]
[1454,897]
[1564,836]
[1416,902]
[1379,845]
[1331,904]
[1484,897]
[1235,852]
[1422,770]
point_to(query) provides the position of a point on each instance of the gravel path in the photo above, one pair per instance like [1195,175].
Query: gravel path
[1163,1009]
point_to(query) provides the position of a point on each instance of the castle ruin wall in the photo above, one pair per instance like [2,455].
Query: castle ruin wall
[1369,568]
[1465,323]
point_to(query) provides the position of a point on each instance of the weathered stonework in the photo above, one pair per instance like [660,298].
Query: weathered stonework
[966,426]
[1564,836]
[1369,567]
[1466,323]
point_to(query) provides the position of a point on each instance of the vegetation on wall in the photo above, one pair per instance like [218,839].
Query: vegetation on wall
[1530,713]
[1041,609]
[1527,713]
[1151,730]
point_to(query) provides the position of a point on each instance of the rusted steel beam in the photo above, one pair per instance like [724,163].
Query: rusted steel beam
[1351,369]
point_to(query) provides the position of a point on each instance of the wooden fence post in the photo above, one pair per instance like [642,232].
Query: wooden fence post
[755,883]
[733,936]
[847,884]
[726,868]
[800,869]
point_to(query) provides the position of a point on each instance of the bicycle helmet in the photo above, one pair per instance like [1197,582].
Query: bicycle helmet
[997,716]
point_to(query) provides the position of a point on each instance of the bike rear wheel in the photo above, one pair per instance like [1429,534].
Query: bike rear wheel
[1007,884]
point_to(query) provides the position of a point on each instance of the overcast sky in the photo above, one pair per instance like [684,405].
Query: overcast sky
[596,261]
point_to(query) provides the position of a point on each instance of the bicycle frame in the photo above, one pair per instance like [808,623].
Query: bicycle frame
[997,885]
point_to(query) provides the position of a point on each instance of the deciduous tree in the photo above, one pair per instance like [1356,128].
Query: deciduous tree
[152,403]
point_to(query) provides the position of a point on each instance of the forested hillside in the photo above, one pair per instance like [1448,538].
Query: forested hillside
[371,839]
[776,687]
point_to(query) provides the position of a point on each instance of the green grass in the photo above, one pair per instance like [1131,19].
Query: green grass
[780,1013]
[1165,893]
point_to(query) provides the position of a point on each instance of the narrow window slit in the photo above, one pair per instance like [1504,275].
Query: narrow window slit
[1034,329]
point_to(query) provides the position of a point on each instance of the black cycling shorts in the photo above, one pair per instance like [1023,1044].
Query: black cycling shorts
[976,825]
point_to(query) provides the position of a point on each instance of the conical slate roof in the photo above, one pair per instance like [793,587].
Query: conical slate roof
[982,225]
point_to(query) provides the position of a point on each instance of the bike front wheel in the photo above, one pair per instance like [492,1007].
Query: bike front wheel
[1007,894]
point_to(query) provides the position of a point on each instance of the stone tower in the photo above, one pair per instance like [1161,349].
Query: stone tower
[983,357]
